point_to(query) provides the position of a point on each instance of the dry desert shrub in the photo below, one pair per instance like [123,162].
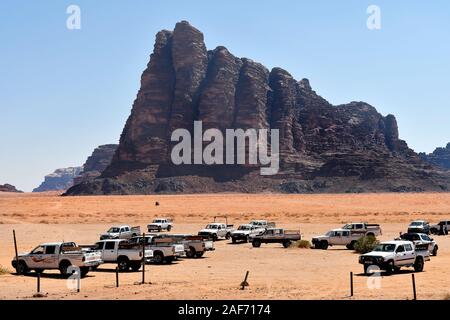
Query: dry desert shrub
[4,270]
[302,244]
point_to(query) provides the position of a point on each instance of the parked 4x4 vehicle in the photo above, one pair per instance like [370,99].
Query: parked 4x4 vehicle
[57,255]
[419,226]
[273,235]
[421,239]
[440,228]
[160,224]
[336,237]
[393,255]
[216,231]
[363,229]
[245,231]
[123,253]
[121,232]
[164,249]
[194,246]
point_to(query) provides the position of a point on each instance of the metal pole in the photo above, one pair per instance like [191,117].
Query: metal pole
[117,277]
[17,255]
[143,258]
[38,282]
[79,281]
[414,286]
[244,283]
[351,284]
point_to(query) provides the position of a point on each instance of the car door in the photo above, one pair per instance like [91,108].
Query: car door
[50,257]
[401,257]
[110,251]
[410,254]
[36,257]
[336,238]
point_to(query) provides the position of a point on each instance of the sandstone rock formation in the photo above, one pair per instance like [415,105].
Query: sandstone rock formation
[440,157]
[61,179]
[323,148]
[9,188]
[96,163]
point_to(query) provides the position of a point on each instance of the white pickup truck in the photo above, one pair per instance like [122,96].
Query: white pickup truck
[121,252]
[164,249]
[194,246]
[336,237]
[393,255]
[245,231]
[364,229]
[216,231]
[262,224]
[160,224]
[121,232]
[57,255]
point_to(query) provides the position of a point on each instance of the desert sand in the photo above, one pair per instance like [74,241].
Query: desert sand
[275,272]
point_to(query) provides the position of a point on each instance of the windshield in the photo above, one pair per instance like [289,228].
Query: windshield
[416,223]
[385,248]
[329,233]
[347,226]
[157,221]
[244,228]
[211,226]
[114,230]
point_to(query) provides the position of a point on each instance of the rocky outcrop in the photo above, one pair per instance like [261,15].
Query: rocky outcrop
[96,163]
[9,188]
[61,179]
[440,157]
[323,148]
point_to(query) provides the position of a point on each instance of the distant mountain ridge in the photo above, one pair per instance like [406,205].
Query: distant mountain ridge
[440,157]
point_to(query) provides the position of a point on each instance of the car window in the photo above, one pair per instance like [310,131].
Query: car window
[346,233]
[415,237]
[400,249]
[38,250]
[359,226]
[110,245]
[426,238]
[50,249]
[408,247]
[99,245]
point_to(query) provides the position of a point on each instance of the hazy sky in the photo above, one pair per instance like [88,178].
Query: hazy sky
[64,92]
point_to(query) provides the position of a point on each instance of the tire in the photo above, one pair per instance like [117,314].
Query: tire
[418,265]
[22,268]
[233,240]
[199,254]
[286,244]
[123,264]
[214,237]
[228,236]
[159,229]
[256,243]
[84,271]
[324,245]
[190,253]
[435,251]
[396,269]
[390,267]
[366,268]
[351,245]
[169,228]
[135,266]
[158,257]
[63,266]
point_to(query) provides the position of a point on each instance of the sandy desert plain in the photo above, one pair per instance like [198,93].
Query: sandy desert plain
[275,272]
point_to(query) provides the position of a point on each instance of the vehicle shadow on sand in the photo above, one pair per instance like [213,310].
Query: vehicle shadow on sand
[384,274]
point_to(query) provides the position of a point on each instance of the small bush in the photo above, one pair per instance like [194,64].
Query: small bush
[366,244]
[4,270]
[303,244]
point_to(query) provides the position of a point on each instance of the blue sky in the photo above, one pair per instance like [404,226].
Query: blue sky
[64,92]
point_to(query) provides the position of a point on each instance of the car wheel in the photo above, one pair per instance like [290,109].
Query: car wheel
[233,240]
[169,228]
[159,229]
[286,244]
[390,267]
[135,266]
[158,257]
[199,254]
[214,237]
[228,236]
[324,245]
[256,243]
[123,264]
[418,265]
[22,268]
[435,250]
[190,253]
[84,271]
[366,268]
[63,268]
